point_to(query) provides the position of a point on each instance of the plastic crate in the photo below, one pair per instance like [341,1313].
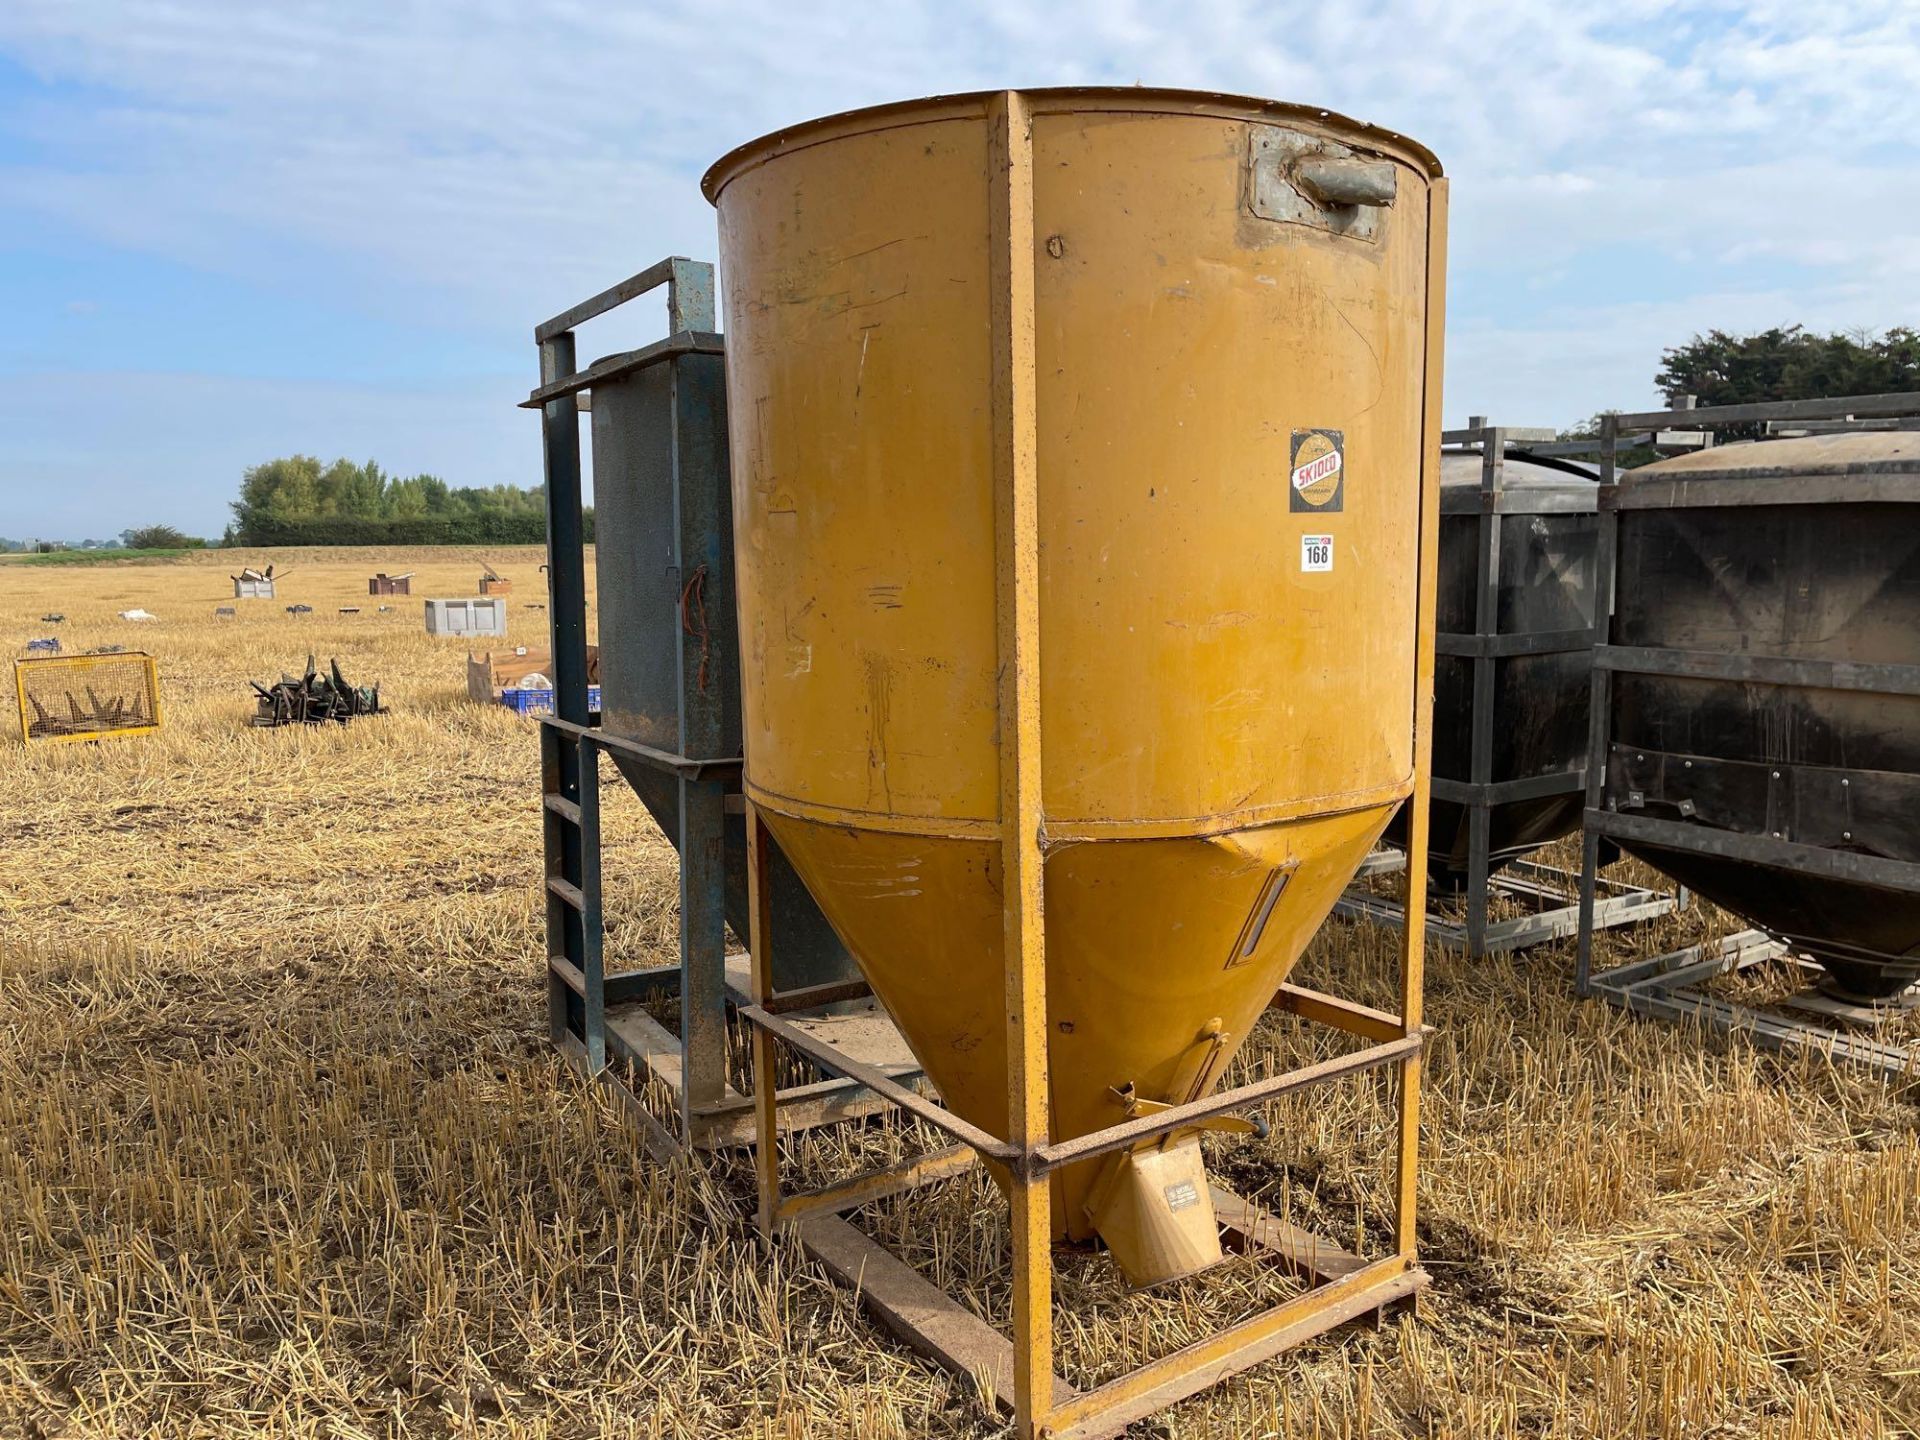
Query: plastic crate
[540,702]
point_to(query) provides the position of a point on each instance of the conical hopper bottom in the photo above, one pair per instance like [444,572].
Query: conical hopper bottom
[1161,956]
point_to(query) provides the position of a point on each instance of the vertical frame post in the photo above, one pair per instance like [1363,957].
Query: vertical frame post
[1017,612]
[766,1150]
[701,521]
[1600,700]
[592,953]
[703,945]
[1413,957]
[567,617]
[1486,625]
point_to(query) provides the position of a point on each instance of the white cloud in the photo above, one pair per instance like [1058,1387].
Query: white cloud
[476,166]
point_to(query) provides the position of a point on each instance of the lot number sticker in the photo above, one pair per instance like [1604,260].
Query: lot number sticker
[1316,553]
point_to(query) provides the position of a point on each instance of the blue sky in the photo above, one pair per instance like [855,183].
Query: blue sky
[234,231]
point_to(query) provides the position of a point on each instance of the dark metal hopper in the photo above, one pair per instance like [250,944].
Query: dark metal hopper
[1537,627]
[1766,644]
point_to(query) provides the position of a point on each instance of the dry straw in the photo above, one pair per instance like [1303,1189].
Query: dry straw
[285,1153]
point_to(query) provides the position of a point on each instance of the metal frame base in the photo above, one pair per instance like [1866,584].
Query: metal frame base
[1524,880]
[935,1325]
[1019,1368]
[1666,987]
[854,1024]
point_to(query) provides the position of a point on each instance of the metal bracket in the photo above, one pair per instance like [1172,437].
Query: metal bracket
[1301,179]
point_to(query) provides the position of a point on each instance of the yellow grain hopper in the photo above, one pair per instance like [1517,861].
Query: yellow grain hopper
[1084,452]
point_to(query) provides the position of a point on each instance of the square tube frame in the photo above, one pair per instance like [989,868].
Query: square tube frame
[1485,645]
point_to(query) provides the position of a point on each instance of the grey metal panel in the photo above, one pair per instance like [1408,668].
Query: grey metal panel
[612,367]
[1893,486]
[1836,408]
[637,557]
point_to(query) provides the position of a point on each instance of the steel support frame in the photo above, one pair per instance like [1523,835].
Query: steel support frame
[1664,987]
[708,1111]
[1642,986]
[1043,1406]
[1531,881]
[1486,646]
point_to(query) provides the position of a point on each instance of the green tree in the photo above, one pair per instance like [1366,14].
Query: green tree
[158,537]
[1790,363]
[296,500]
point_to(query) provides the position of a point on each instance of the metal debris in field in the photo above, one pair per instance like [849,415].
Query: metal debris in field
[314,698]
[50,645]
[299,609]
[52,617]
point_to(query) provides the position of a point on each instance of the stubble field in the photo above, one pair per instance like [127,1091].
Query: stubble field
[284,1152]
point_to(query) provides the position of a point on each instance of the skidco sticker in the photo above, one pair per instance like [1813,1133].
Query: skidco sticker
[1316,553]
[1319,479]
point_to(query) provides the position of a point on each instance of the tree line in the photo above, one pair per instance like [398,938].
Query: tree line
[1785,363]
[299,501]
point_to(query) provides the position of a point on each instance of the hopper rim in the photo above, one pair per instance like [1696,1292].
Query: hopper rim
[1068,830]
[1116,99]
[1846,452]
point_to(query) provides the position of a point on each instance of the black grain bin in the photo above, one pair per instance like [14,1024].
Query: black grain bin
[1759,694]
[1515,620]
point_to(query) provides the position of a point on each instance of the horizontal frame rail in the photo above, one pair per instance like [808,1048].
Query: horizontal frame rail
[686,342]
[1515,436]
[1840,407]
[785,1002]
[1045,1158]
[1195,1367]
[620,988]
[1163,1122]
[1347,1015]
[1759,849]
[1543,642]
[880,1083]
[864,1189]
[673,272]
[686,767]
[1852,675]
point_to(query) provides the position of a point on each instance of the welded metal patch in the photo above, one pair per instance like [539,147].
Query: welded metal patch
[1301,179]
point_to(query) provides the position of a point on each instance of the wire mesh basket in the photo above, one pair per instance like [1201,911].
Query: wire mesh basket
[87,697]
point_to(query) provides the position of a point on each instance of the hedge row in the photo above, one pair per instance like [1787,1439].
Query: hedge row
[480,529]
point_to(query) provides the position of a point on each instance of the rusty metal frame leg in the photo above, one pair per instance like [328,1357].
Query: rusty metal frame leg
[766,1150]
